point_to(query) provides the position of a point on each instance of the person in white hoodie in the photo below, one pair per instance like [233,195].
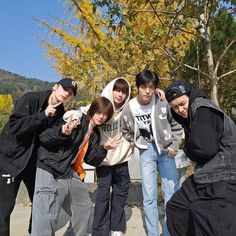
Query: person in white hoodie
[109,215]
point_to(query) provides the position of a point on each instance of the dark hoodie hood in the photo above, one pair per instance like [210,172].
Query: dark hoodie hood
[194,93]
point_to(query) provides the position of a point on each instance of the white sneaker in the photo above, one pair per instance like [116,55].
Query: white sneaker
[116,233]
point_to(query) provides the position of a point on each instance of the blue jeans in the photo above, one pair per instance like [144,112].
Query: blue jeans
[149,162]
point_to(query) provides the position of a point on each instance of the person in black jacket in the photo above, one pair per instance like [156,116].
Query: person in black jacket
[206,203]
[60,174]
[32,114]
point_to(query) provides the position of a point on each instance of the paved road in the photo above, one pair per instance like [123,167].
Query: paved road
[20,216]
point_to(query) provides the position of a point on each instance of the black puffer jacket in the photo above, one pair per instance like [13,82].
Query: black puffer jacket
[57,150]
[19,138]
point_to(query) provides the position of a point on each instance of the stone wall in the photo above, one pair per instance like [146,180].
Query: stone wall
[135,191]
[134,198]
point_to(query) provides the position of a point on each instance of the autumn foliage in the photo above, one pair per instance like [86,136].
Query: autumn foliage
[93,50]
[6,104]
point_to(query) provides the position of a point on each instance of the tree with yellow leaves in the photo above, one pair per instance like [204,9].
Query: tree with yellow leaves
[6,105]
[93,50]
[176,19]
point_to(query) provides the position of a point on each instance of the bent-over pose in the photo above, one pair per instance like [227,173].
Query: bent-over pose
[206,203]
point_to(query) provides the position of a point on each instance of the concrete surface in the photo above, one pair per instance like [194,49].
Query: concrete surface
[133,210]
[20,217]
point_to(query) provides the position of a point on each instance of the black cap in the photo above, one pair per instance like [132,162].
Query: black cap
[177,89]
[68,83]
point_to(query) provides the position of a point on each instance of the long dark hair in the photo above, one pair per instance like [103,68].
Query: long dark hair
[101,105]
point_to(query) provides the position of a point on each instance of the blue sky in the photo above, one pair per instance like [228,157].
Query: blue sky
[20,49]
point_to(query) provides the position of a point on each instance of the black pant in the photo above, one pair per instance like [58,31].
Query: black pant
[8,193]
[111,218]
[203,209]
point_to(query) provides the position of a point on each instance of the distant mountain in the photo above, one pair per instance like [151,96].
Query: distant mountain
[11,83]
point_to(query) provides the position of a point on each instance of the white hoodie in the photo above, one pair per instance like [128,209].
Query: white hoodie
[112,128]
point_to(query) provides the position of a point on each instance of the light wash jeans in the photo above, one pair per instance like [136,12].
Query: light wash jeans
[149,162]
[51,195]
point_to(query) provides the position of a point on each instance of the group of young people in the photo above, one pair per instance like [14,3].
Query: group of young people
[46,151]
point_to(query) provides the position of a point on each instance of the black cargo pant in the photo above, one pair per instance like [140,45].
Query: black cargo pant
[109,211]
[8,193]
[203,209]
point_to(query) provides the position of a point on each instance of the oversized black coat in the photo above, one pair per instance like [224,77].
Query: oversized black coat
[19,138]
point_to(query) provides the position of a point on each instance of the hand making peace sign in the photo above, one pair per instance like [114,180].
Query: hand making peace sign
[70,125]
[51,109]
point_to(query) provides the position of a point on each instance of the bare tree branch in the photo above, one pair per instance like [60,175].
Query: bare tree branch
[178,14]
[155,12]
[226,74]
[223,54]
[195,69]
[183,64]
[173,71]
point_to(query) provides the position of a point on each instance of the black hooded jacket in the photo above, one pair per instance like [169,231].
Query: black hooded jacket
[58,150]
[19,138]
[202,132]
